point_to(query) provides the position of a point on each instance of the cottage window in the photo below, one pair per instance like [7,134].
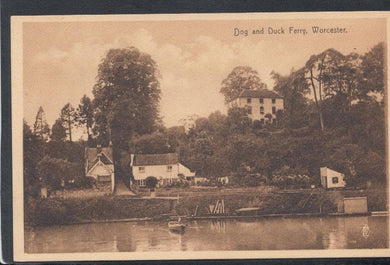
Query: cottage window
[335,180]
[261,100]
[141,169]
[169,168]
[104,178]
[273,101]
[249,100]
[261,110]
[249,110]
[273,110]
[142,183]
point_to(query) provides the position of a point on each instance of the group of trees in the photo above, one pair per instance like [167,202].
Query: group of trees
[333,116]
[124,105]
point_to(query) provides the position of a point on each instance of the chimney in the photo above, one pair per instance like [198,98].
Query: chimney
[131,160]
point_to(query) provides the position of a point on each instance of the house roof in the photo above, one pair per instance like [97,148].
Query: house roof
[91,156]
[262,93]
[155,159]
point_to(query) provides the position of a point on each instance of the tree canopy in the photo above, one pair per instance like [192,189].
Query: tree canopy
[240,78]
[127,94]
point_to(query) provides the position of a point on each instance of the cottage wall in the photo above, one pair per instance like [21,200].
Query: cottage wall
[158,171]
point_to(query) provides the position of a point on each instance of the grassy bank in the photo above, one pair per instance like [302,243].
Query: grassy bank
[53,211]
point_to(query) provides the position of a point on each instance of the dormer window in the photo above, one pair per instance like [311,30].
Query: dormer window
[249,100]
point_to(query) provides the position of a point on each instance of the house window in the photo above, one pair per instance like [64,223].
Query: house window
[273,121]
[249,110]
[169,168]
[141,169]
[249,100]
[273,110]
[261,100]
[141,183]
[273,101]
[104,178]
[335,180]
[261,110]
[262,121]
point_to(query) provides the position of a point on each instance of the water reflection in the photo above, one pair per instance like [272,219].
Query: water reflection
[255,234]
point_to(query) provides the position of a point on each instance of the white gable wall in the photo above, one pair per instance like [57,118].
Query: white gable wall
[327,176]
[103,170]
[185,171]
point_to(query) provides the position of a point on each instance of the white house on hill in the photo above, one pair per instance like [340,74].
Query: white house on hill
[259,103]
[100,166]
[331,179]
[165,167]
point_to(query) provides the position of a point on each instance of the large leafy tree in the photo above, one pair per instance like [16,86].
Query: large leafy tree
[241,78]
[68,117]
[41,128]
[314,70]
[126,95]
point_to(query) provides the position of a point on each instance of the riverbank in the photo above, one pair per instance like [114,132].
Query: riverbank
[55,211]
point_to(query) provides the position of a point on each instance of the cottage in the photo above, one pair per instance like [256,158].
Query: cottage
[259,103]
[331,179]
[99,165]
[165,167]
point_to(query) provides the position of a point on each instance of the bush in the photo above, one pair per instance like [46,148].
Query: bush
[48,212]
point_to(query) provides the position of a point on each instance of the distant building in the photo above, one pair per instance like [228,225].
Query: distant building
[259,103]
[331,179]
[165,167]
[100,166]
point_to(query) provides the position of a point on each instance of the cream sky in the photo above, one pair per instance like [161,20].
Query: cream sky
[60,59]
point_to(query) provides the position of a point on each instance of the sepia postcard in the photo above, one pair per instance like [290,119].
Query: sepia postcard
[200,136]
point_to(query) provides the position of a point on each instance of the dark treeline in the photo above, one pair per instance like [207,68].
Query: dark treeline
[333,116]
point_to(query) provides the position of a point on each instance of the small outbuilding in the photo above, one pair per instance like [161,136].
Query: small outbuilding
[331,179]
[99,165]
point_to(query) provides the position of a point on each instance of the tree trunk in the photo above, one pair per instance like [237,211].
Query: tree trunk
[316,101]
[70,129]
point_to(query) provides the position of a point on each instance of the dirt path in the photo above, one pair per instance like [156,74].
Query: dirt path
[122,189]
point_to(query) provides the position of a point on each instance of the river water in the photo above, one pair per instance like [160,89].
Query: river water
[255,234]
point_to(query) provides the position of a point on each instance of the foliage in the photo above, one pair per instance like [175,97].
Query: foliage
[41,128]
[68,117]
[151,182]
[373,71]
[126,94]
[33,152]
[84,114]
[58,132]
[241,78]
[57,173]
